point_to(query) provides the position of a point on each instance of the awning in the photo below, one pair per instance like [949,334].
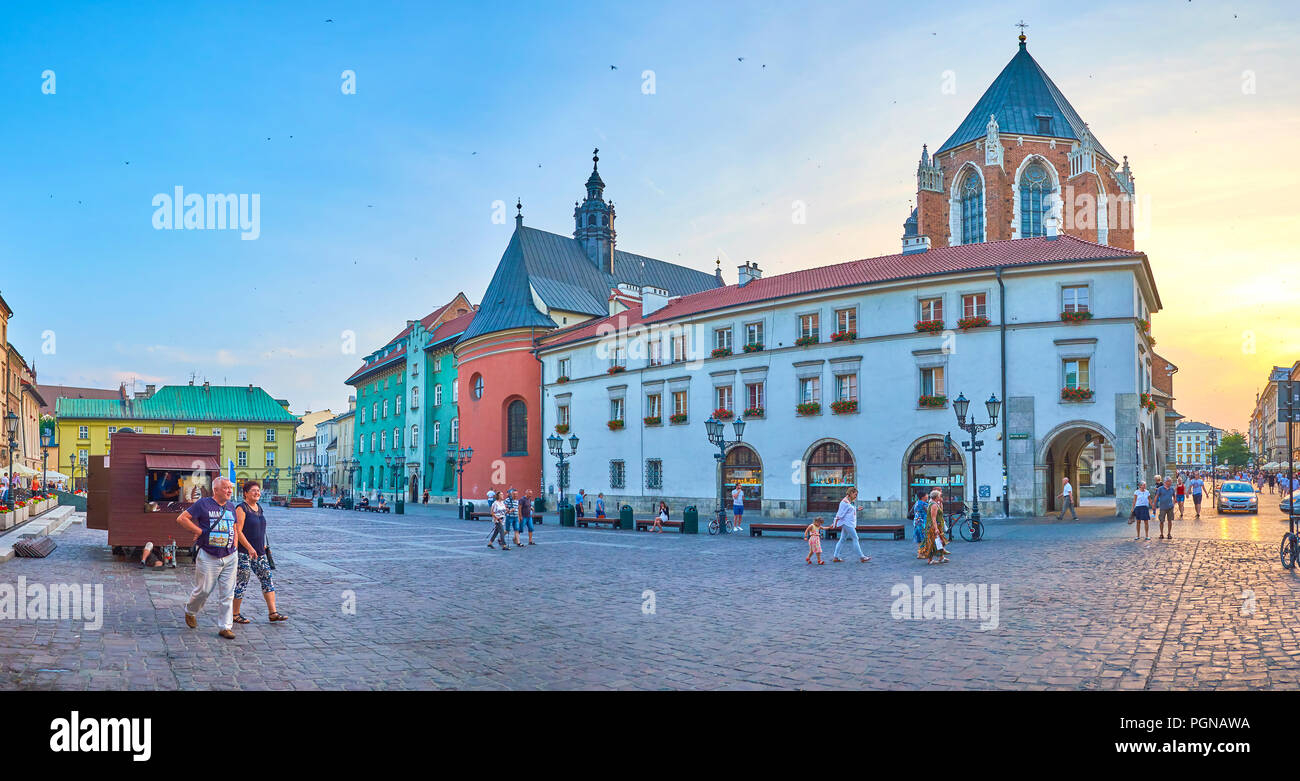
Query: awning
[178,462]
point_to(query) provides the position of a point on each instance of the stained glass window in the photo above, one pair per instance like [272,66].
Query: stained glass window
[972,209]
[1034,191]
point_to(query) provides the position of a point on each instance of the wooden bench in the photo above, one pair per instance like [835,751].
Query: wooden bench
[375,508]
[480,516]
[613,522]
[644,524]
[832,533]
[300,501]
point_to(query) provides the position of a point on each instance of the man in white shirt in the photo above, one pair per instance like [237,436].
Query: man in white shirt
[846,520]
[1067,495]
[737,508]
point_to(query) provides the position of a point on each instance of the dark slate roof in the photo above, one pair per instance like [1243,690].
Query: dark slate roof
[565,278]
[1020,93]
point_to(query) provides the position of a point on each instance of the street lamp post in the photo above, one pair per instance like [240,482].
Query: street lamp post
[718,437]
[1214,466]
[460,456]
[11,430]
[959,406]
[556,446]
[72,471]
[388,471]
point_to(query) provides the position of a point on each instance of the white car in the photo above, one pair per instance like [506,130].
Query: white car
[1238,496]
[1285,506]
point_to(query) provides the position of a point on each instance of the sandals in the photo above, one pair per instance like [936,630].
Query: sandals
[239,619]
[277,616]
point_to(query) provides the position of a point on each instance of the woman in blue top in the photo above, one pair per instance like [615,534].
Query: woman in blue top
[600,505]
[252,554]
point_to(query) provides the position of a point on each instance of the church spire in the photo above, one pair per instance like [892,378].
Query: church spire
[593,220]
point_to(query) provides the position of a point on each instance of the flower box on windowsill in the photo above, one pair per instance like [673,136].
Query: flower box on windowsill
[677,419]
[615,425]
[808,408]
[844,336]
[754,412]
[933,402]
[1075,317]
[844,407]
[652,420]
[561,428]
[1145,325]
[720,352]
[929,326]
[976,321]
[561,380]
[616,369]
[804,341]
[1076,394]
[723,414]
[1148,403]
[754,347]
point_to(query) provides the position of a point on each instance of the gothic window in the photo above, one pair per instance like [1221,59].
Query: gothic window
[517,427]
[971,197]
[1034,190]
[591,219]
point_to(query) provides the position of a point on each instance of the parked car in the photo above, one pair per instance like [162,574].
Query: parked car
[1285,506]
[1238,496]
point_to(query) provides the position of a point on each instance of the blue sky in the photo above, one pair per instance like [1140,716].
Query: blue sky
[377,207]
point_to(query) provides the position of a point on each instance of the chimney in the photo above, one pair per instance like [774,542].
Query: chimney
[206,386]
[352,403]
[652,299]
[748,272]
[250,387]
[148,391]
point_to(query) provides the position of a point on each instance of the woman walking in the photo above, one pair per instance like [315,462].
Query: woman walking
[846,521]
[1180,496]
[252,556]
[1142,510]
[934,543]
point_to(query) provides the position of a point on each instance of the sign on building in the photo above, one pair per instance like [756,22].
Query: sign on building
[1288,401]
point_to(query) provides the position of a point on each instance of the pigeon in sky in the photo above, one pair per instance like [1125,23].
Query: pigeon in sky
[740,59]
[613,67]
[328,20]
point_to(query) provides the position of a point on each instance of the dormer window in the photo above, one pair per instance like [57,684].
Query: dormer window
[1044,124]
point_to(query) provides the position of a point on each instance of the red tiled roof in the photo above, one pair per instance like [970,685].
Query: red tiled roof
[946,260]
[450,328]
[52,393]
[426,322]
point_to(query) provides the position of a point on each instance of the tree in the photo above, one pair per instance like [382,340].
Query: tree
[1232,450]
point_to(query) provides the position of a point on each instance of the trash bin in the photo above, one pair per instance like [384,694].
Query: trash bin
[400,509]
[625,517]
[467,510]
[568,516]
[690,520]
[320,501]
[347,503]
[539,504]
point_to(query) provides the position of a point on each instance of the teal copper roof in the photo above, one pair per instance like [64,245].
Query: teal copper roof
[184,402]
[1020,94]
[564,278]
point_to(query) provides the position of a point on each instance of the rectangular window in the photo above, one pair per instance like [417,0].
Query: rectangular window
[655,352]
[974,305]
[617,474]
[241,458]
[562,414]
[618,357]
[83,432]
[455,392]
[654,406]
[722,338]
[616,409]
[679,348]
[810,327]
[270,435]
[437,433]
[679,402]
[242,435]
[1074,298]
[270,458]
[190,431]
[932,382]
[112,429]
[83,456]
[931,309]
[164,429]
[397,402]
[754,333]
[810,390]
[846,387]
[654,473]
[723,396]
[437,399]
[216,432]
[753,395]
[1076,373]
[562,366]
[846,320]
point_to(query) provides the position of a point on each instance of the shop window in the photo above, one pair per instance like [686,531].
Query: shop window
[743,468]
[830,474]
[930,467]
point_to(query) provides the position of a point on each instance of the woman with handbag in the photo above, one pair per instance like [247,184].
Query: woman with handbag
[254,554]
[935,546]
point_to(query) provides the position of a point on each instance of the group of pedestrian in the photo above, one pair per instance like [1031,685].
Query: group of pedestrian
[510,515]
[232,547]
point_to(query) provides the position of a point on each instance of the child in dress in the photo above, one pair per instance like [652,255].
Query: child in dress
[813,534]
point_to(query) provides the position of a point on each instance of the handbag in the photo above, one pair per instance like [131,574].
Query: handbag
[270,560]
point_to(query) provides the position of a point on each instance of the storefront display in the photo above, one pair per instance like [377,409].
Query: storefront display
[830,474]
[743,468]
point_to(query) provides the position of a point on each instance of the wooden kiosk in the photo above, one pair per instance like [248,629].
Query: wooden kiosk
[136,492]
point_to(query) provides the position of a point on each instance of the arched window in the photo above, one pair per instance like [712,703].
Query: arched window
[929,467]
[437,396]
[385,407]
[383,440]
[477,386]
[830,473]
[415,435]
[362,443]
[415,396]
[1035,187]
[517,427]
[397,439]
[437,429]
[591,219]
[372,442]
[455,430]
[971,198]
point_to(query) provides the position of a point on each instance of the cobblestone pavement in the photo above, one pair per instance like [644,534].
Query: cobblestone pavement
[1080,606]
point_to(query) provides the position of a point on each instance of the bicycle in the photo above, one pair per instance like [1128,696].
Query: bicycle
[970,529]
[1289,550]
[721,523]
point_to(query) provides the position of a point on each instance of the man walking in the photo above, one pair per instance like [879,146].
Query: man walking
[846,520]
[526,517]
[499,522]
[212,524]
[1165,507]
[512,515]
[1198,487]
[737,508]
[1067,496]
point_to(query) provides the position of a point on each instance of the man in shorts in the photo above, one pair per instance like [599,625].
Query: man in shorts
[737,508]
[1198,487]
[526,517]
[1165,507]
[512,515]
